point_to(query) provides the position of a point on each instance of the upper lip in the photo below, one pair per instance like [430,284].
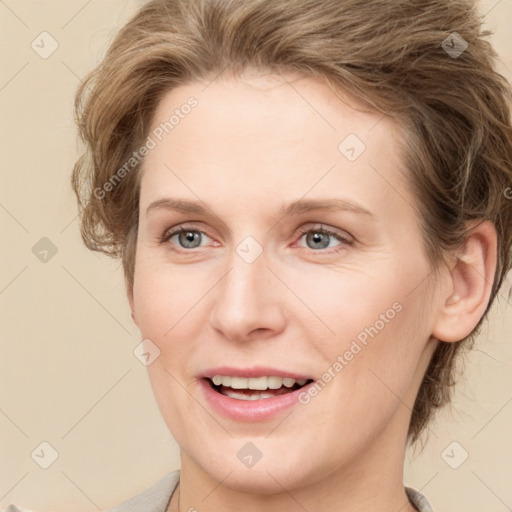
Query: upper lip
[254,372]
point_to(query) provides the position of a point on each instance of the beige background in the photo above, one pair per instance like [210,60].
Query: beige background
[68,374]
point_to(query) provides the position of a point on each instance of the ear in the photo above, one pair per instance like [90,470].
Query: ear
[470,284]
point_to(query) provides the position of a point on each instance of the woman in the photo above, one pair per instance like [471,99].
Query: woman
[309,199]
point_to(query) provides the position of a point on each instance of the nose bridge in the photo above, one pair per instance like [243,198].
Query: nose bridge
[246,298]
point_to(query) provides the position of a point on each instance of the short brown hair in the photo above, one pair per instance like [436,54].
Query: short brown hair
[394,55]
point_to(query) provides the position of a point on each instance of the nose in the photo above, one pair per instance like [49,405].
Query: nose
[248,302]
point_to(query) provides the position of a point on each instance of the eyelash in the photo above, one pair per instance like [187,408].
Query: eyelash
[345,240]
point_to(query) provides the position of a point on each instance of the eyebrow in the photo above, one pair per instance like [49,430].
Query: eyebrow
[295,208]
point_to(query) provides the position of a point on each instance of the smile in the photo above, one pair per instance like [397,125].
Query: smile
[242,388]
[238,400]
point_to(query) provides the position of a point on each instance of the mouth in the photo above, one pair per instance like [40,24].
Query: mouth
[255,388]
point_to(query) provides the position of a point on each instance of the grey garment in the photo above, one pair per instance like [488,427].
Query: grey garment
[158,497]
[154,499]
[418,500]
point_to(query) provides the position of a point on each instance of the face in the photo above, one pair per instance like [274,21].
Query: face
[294,252]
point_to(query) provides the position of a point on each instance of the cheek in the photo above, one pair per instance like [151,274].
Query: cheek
[377,327]
[354,303]
[165,297]
[369,367]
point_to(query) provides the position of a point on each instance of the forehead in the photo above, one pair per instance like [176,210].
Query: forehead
[264,134]
[258,104]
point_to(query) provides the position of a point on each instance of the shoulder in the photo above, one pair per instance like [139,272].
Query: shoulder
[154,499]
[418,500]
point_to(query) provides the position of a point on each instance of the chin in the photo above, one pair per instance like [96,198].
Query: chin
[265,481]
[268,476]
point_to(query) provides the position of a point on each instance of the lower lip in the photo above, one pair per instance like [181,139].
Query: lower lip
[250,410]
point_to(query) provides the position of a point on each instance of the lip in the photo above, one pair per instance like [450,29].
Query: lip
[254,372]
[250,410]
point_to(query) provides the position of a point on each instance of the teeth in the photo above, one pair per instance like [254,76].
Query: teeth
[288,382]
[256,395]
[259,383]
[274,382]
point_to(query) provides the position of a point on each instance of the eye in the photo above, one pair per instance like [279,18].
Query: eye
[318,237]
[187,238]
[321,237]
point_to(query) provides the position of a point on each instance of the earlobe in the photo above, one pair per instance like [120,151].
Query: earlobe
[471,278]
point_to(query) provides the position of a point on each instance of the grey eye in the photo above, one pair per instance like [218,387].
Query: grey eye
[319,240]
[189,239]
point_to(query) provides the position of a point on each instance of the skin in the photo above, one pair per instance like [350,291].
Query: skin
[251,146]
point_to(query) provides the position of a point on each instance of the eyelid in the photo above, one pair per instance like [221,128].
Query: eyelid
[344,238]
[170,232]
[342,235]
